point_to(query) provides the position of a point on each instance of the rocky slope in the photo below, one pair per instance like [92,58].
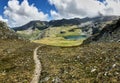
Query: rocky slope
[93,63]
[32,25]
[110,33]
[6,33]
[16,57]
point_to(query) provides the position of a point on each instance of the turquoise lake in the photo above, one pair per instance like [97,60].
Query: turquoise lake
[76,37]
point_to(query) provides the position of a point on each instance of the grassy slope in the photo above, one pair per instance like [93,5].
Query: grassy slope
[31,35]
[76,31]
[55,38]
[55,31]
[16,61]
[94,63]
[59,41]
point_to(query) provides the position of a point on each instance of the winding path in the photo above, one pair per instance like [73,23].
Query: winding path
[38,68]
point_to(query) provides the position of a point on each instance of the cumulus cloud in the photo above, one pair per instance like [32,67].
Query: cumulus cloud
[55,14]
[21,13]
[112,7]
[2,19]
[84,8]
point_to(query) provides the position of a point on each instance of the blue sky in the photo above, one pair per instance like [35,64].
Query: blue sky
[2,4]
[42,5]
[20,12]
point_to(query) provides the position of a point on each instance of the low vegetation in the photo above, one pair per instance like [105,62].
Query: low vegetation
[63,60]
[56,36]
[61,31]
[59,41]
[94,63]
[29,34]
[70,31]
[16,61]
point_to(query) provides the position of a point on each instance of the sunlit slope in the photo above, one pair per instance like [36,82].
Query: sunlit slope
[94,63]
[56,36]
[16,57]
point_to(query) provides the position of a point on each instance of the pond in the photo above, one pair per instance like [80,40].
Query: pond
[76,37]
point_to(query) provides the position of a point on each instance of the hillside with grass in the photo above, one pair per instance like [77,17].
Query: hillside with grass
[6,33]
[61,36]
[16,57]
[63,57]
[93,63]
[16,61]
[96,62]
[29,34]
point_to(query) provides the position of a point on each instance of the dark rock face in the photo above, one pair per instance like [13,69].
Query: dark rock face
[92,28]
[110,33]
[6,33]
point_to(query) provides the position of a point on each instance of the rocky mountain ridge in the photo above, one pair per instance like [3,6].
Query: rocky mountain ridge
[110,33]
[41,25]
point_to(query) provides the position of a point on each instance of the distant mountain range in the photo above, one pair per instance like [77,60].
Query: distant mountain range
[32,25]
[41,25]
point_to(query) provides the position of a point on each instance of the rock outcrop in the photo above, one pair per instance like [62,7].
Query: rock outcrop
[6,32]
[110,33]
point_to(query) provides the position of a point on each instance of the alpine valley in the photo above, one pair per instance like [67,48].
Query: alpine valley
[61,51]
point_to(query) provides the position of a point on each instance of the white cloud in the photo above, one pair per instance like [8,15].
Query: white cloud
[19,14]
[55,14]
[2,19]
[84,8]
[112,7]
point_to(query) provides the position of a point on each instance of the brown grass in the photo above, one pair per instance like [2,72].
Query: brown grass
[94,63]
[16,61]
